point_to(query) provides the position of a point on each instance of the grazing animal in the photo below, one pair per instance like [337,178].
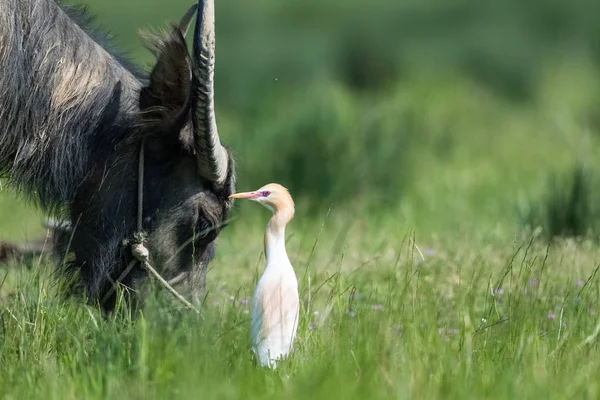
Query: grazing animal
[75,119]
[28,250]
[17,252]
[275,304]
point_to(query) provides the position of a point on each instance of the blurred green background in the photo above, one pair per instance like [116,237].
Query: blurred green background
[438,114]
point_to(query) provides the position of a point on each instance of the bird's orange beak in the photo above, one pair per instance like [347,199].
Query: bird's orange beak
[246,195]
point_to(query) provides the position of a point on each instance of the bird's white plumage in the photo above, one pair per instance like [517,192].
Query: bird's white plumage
[275,312]
[275,303]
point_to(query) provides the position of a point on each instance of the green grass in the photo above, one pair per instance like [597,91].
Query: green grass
[476,318]
[19,220]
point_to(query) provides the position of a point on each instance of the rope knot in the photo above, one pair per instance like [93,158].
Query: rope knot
[140,252]
[138,249]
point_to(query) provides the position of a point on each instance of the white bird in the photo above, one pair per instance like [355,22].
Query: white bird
[275,303]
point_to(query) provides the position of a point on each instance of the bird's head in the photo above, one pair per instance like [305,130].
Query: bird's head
[273,196]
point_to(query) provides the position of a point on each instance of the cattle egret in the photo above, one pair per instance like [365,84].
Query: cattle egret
[275,304]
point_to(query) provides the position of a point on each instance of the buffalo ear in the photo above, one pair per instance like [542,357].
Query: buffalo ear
[168,91]
[169,83]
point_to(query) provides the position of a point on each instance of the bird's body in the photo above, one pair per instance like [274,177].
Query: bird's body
[275,308]
[275,303]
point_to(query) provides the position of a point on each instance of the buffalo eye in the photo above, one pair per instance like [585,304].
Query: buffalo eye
[203,226]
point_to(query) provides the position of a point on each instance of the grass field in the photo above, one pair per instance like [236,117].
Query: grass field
[478,316]
[419,276]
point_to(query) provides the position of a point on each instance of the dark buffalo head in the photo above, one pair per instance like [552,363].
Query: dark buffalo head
[188,174]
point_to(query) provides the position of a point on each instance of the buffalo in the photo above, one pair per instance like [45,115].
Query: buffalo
[94,141]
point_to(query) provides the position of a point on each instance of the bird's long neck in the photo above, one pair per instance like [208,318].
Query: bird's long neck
[275,252]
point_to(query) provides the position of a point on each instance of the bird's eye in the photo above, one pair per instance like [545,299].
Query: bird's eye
[265,193]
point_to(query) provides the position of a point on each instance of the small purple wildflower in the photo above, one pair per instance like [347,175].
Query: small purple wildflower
[311,326]
[448,331]
[355,295]
[579,282]
[498,291]
[377,307]
[551,315]
[533,282]
[429,252]
[243,301]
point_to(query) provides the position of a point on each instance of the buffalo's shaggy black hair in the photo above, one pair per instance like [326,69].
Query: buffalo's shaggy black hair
[72,117]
